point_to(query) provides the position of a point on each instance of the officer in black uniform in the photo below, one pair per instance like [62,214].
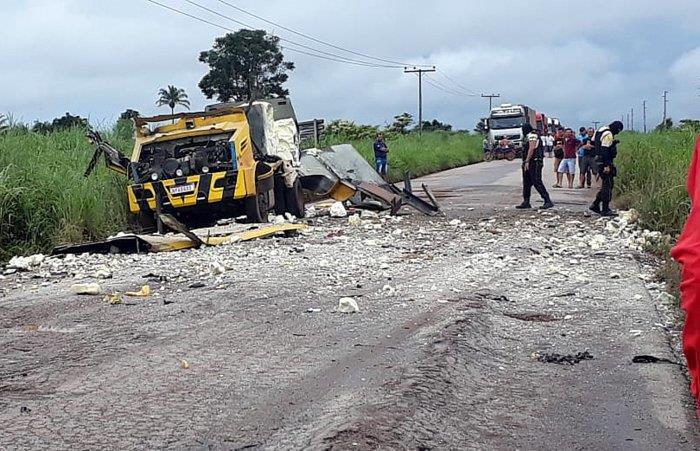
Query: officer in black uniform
[533,162]
[605,151]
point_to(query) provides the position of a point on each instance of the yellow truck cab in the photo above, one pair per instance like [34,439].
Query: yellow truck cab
[203,166]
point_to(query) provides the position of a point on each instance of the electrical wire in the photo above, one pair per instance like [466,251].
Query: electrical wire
[330,57]
[448,78]
[436,84]
[318,41]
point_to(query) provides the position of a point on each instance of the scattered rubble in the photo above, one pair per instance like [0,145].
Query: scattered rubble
[348,305]
[338,210]
[567,359]
[86,288]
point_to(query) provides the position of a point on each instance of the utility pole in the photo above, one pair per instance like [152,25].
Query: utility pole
[627,126]
[420,73]
[632,119]
[490,97]
[595,125]
[663,122]
[644,114]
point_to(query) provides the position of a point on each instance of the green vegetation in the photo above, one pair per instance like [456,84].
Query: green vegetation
[652,177]
[434,151]
[44,198]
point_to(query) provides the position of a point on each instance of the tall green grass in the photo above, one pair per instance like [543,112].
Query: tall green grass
[652,172]
[433,152]
[44,198]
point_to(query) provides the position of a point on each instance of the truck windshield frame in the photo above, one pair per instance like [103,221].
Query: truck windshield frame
[503,122]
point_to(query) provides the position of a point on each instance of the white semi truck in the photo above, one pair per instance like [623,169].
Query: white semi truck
[505,123]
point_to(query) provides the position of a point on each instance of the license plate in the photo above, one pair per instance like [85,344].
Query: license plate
[182,189]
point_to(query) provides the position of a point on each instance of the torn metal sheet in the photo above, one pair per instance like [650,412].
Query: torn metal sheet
[132,243]
[381,194]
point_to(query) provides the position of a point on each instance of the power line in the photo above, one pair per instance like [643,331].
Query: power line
[319,41]
[446,89]
[222,27]
[447,77]
[333,55]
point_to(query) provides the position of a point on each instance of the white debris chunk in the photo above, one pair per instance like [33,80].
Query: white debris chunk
[338,210]
[25,263]
[368,214]
[86,288]
[102,272]
[217,268]
[354,220]
[348,305]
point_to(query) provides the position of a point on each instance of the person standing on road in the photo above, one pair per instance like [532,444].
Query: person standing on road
[605,153]
[585,159]
[533,162]
[548,141]
[568,164]
[558,155]
[381,155]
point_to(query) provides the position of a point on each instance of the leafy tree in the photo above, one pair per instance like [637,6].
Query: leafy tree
[129,114]
[401,123]
[350,131]
[665,126]
[690,124]
[481,127]
[173,96]
[244,65]
[435,125]
[60,123]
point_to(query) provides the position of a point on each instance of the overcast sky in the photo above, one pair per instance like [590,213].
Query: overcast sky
[578,60]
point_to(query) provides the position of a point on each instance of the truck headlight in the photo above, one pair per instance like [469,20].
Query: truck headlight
[154,176]
[205,169]
[179,172]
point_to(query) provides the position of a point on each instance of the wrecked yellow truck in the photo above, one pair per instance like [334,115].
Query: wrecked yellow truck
[228,161]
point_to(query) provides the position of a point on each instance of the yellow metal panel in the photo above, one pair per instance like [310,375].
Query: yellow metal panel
[342,191]
[216,194]
[187,200]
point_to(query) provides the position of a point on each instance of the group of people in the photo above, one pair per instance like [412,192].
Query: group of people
[569,151]
[595,152]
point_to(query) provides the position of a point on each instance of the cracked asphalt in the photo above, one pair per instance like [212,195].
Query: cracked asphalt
[442,355]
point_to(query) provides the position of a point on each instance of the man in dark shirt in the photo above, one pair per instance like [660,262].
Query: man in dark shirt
[533,155]
[605,153]
[381,153]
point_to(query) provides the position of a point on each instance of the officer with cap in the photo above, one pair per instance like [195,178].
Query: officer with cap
[533,155]
[605,151]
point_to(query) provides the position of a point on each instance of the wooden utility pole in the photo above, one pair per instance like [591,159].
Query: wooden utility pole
[420,73]
[595,125]
[644,115]
[490,97]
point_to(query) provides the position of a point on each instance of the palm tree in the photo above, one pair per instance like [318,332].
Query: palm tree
[172,97]
[4,123]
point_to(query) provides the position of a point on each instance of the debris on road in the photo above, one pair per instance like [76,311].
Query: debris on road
[338,210]
[25,263]
[567,359]
[184,364]
[651,359]
[145,291]
[86,289]
[348,305]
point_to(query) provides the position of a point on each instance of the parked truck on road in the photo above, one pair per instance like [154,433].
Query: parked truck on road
[505,123]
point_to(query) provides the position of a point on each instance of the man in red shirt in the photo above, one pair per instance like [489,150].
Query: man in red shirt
[568,164]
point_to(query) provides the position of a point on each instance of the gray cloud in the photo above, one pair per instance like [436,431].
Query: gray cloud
[581,61]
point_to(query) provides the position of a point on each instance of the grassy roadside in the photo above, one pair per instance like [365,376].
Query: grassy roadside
[652,176]
[44,198]
[433,152]
[652,179]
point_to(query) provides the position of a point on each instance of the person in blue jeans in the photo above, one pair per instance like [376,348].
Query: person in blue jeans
[381,152]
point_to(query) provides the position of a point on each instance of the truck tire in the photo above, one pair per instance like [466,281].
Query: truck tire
[257,207]
[294,199]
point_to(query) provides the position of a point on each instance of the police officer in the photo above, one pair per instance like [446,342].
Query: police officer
[605,151]
[533,155]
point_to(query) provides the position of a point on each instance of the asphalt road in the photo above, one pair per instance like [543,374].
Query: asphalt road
[442,355]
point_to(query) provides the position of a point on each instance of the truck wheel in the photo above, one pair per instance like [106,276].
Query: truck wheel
[257,207]
[294,199]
